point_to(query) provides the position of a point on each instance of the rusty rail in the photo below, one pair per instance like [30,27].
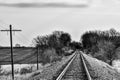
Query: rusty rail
[72,59]
[66,68]
[85,66]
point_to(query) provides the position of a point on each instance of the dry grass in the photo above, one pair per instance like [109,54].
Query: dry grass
[21,71]
[49,72]
[45,72]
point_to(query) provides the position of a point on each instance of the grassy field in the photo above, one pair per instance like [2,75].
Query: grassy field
[25,59]
[22,55]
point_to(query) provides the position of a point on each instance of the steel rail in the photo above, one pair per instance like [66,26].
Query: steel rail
[66,68]
[85,66]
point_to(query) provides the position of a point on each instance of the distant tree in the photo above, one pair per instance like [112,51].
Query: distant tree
[65,39]
[76,45]
[56,40]
[17,45]
[117,41]
[57,33]
[101,43]
[53,41]
[89,38]
[112,32]
[41,41]
[51,46]
[107,48]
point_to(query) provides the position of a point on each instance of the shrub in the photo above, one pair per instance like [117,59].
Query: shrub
[25,70]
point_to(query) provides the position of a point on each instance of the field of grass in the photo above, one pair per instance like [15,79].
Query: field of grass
[25,55]
[25,59]
[25,71]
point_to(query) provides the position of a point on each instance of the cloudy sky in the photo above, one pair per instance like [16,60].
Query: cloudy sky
[45,1]
[34,21]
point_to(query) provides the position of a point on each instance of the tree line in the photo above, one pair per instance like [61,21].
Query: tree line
[59,41]
[56,40]
[101,44]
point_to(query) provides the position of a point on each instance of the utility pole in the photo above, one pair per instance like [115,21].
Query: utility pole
[38,58]
[11,44]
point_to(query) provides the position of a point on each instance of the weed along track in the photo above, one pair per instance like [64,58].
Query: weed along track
[76,69]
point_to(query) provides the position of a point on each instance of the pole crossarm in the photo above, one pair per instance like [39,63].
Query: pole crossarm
[9,30]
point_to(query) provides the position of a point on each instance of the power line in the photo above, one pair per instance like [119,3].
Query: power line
[24,37]
[2,27]
[4,41]
[11,43]
[21,37]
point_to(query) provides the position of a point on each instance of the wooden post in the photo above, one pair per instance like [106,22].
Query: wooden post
[38,58]
[11,44]
[12,63]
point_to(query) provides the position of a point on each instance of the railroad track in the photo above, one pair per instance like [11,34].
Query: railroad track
[76,69]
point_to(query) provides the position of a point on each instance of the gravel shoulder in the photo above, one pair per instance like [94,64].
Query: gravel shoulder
[50,71]
[100,70]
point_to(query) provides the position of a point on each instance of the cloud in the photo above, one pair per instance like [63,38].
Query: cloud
[43,5]
[47,3]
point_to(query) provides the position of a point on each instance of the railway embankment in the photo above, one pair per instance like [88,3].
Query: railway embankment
[51,71]
[98,70]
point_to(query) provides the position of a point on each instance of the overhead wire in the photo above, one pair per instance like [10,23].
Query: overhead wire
[2,27]
[2,23]
[3,40]
[21,37]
